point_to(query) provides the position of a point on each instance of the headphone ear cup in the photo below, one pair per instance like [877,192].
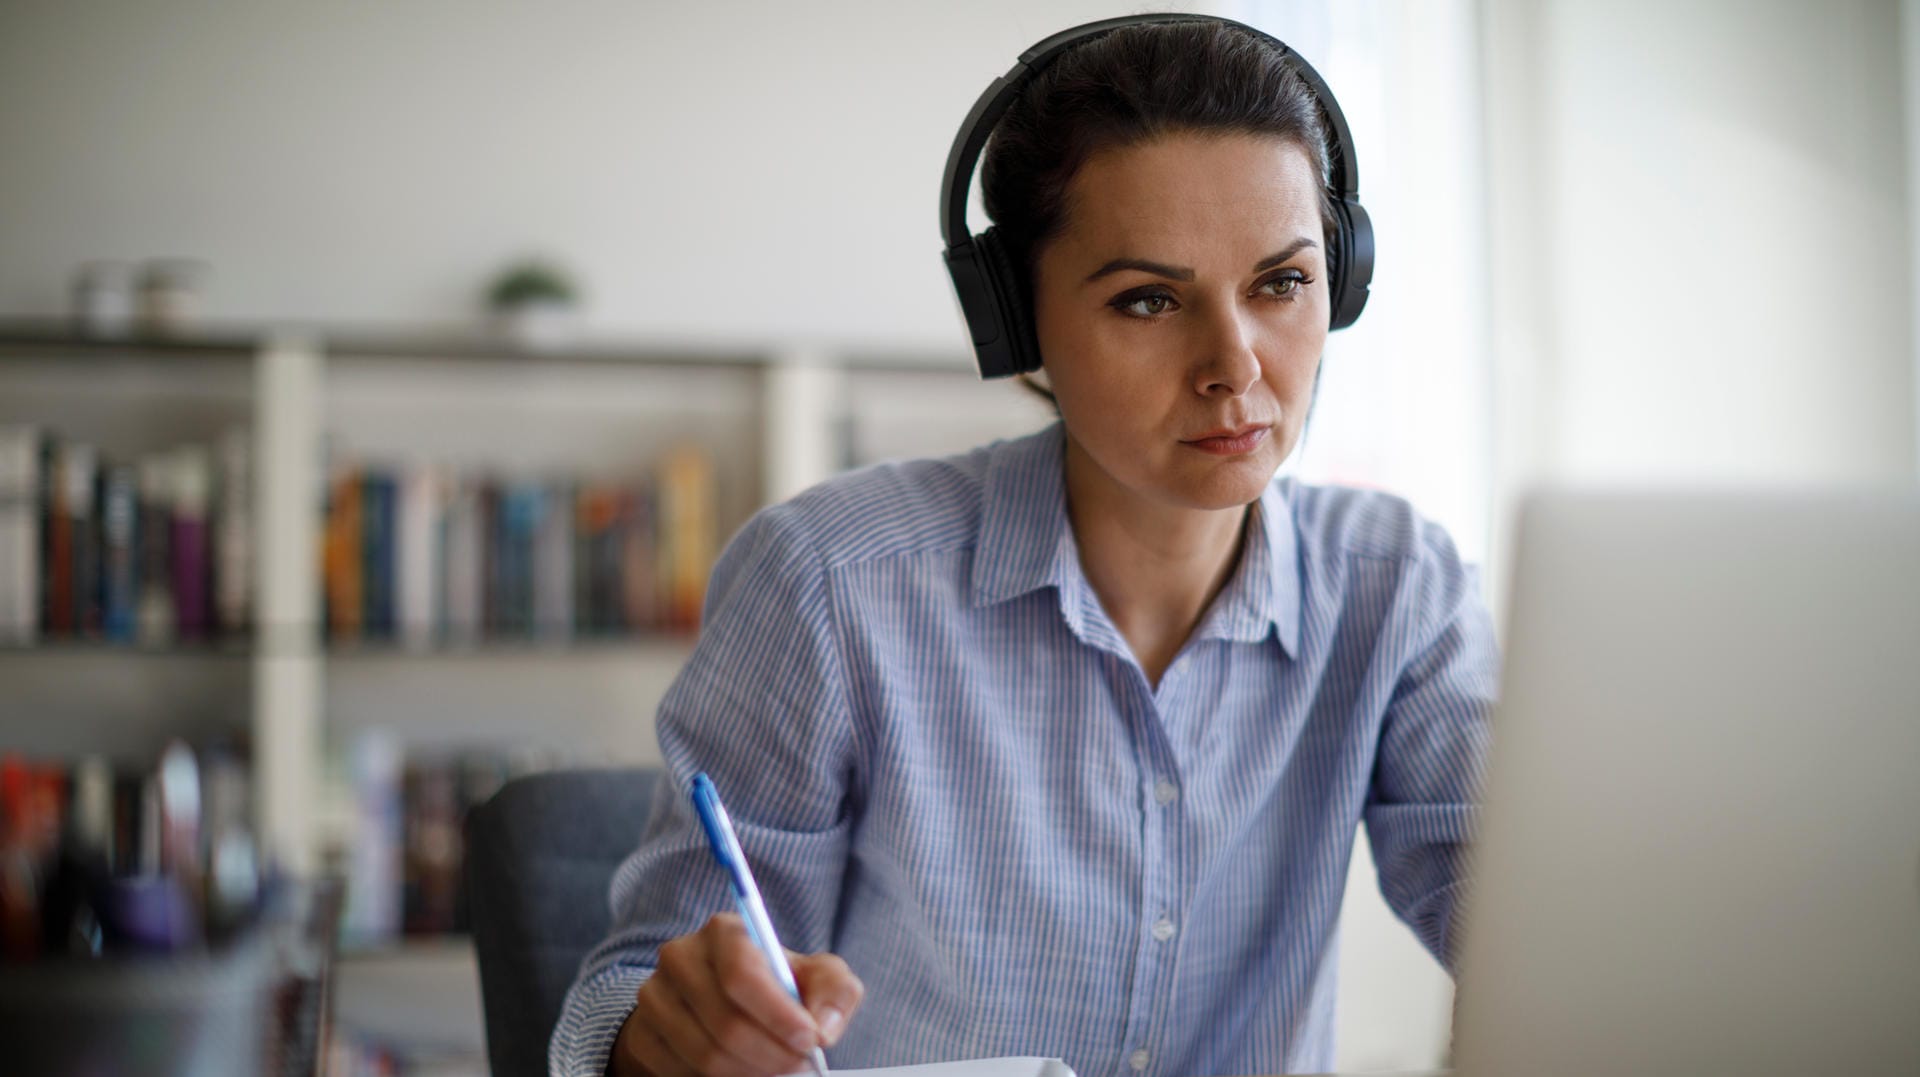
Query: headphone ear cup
[1350,263]
[1011,295]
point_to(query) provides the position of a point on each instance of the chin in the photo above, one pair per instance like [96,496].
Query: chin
[1226,486]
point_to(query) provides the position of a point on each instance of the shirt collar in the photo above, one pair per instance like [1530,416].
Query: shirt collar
[1026,544]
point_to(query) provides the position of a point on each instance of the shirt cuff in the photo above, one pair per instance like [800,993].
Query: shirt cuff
[590,1021]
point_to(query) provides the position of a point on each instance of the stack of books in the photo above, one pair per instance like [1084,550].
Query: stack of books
[146,551]
[403,850]
[422,556]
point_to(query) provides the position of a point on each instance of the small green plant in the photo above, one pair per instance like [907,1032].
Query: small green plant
[526,283]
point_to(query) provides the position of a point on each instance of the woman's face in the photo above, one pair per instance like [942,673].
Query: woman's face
[1181,314]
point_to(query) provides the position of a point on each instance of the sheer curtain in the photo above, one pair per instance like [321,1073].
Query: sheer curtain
[1406,394]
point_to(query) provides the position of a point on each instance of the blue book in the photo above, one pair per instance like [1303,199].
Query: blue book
[378,494]
[523,508]
[119,552]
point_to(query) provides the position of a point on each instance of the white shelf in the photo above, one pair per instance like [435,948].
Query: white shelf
[776,417]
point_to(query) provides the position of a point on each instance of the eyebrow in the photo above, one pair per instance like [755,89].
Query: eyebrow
[1184,273]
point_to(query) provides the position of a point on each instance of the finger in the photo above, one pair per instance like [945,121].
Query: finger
[666,1013]
[738,1033]
[830,990]
[645,1053]
[741,970]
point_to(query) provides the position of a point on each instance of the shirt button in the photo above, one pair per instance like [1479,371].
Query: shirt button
[1165,792]
[1139,1059]
[1163,929]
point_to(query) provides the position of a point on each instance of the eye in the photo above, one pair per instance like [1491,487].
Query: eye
[1139,304]
[1287,285]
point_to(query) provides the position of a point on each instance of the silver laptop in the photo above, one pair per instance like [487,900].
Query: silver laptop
[1700,852]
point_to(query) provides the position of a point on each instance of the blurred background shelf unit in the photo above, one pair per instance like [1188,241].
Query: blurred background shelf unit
[311,405]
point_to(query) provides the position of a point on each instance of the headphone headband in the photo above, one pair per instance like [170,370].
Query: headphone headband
[971,140]
[989,285]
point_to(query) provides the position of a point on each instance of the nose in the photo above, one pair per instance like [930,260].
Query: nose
[1227,364]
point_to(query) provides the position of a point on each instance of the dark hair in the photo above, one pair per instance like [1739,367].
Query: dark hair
[1131,85]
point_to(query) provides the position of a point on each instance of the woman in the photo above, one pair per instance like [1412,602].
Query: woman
[1061,745]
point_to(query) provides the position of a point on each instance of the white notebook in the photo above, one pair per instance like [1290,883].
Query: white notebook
[976,1067]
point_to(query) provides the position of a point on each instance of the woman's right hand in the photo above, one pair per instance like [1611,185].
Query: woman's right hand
[712,1008]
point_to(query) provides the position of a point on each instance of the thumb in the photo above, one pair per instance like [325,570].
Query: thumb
[829,990]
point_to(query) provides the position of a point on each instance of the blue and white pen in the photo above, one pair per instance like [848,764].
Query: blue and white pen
[726,849]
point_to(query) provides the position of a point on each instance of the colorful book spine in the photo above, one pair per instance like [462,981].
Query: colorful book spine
[687,533]
[596,514]
[233,534]
[155,615]
[492,572]
[523,507]
[343,542]
[119,552]
[377,520]
[56,543]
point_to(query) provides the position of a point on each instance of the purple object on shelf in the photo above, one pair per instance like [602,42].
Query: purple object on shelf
[192,597]
[151,912]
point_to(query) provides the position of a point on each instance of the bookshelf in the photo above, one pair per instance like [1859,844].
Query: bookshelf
[775,418]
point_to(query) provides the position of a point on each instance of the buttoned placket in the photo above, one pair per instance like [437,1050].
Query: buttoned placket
[1162,899]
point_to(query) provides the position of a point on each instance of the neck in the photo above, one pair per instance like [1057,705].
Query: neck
[1155,567]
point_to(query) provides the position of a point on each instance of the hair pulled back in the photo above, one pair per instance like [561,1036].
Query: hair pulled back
[1127,87]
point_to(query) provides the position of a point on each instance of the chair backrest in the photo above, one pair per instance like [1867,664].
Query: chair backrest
[540,856]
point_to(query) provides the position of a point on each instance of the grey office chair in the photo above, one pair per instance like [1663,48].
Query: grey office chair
[540,855]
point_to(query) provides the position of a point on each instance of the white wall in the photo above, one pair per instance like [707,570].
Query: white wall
[743,170]
[1700,215]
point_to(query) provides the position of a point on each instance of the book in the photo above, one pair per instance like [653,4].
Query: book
[56,544]
[596,562]
[19,535]
[233,534]
[522,508]
[119,551]
[154,615]
[492,616]
[640,564]
[416,536]
[190,547]
[343,542]
[553,613]
[377,553]
[375,857]
[78,462]
[687,533]
[434,849]
[463,565]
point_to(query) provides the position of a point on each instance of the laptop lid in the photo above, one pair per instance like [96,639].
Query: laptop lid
[1700,849]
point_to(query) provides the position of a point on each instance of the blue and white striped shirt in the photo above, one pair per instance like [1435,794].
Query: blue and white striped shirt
[946,766]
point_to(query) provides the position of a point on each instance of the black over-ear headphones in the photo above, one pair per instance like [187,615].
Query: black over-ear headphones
[992,298]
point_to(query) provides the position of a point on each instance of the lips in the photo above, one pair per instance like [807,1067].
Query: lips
[1230,441]
[1228,433]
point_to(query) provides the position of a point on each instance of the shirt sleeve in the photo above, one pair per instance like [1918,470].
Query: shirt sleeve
[1433,742]
[761,707]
